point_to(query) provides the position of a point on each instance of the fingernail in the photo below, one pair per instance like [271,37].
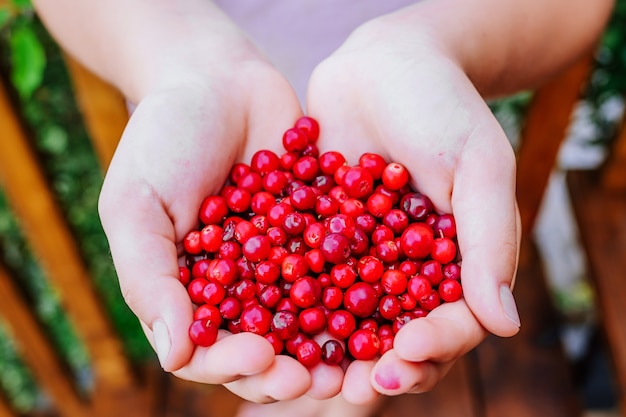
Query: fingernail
[387,378]
[162,340]
[508,304]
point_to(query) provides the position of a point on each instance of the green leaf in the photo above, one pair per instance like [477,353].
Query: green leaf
[22,4]
[28,61]
[5,16]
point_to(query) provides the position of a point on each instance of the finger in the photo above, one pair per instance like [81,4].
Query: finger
[357,388]
[285,379]
[145,259]
[488,229]
[448,332]
[326,381]
[394,376]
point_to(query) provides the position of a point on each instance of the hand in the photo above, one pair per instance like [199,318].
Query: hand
[403,97]
[178,147]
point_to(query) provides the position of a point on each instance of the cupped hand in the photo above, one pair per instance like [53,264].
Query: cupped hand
[389,91]
[178,147]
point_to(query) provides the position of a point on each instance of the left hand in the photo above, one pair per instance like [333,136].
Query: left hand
[408,100]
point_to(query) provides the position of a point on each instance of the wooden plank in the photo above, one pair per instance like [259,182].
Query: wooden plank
[527,375]
[103,109]
[47,232]
[601,219]
[5,409]
[546,125]
[456,395]
[37,352]
[614,169]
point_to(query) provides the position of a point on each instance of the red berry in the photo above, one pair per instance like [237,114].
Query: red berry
[295,140]
[330,162]
[361,299]
[309,126]
[255,319]
[305,292]
[395,176]
[332,352]
[335,247]
[213,210]
[309,353]
[450,290]
[364,345]
[285,324]
[203,332]
[341,324]
[358,182]
[312,321]
[417,241]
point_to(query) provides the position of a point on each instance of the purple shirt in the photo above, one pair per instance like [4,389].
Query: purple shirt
[297,34]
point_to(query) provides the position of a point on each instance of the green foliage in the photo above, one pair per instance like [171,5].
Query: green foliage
[28,59]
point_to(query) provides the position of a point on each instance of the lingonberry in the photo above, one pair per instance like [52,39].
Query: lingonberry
[309,353]
[312,321]
[309,126]
[395,176]
[332,352]
[341,324]
[364,345]
[255,319]
[335,247]
[203,332]
[360,299]
[285,324]
[305,292]
[298,244]
[450,290]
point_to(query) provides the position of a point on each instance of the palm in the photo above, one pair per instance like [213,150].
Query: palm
[426,115]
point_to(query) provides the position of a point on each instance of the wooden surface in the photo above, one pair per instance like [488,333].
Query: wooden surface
[5,409]
[45,228]
[545,128]
[601,218]
[614,170]
[36,350]
[103,109]
[527,375]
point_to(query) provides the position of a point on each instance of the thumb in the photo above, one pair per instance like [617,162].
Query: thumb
[488,229]
[142,241]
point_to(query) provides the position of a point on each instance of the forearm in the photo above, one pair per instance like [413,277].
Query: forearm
[505,46]
[140,44]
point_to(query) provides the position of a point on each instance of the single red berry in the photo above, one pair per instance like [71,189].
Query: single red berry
[332,297]
[358,182]
[386,344]
[257,248]
[312,321]
[294,223]
[275,182]
[261,202]
[389,307]
[419,287]
[374,163]
[445,226]
[335,247]
[330,162]
[309,353]
[305,292]
[394,282]
[364,345]
[303,198]
[341,324]
[213,293]
[332,352]
[309,126]
[388,251]
[252,182]
[294,140]
[352,207]
[239,200]
[315,260]
[379,204]
[431,301]
[184,275]
[192,242]
[208,312]
[276,214]
[370,269]
[326,206]
[288,159]
[306,168]
[381,234]
[230,308]
[285,324]
[293,267]
[407,301]
[416,205]
[276,342]
[369,323]
[433,271]
[452,271]
[224,271]
[444,250]
[397,220]
[366,222]
[361,299]
[211,237]
[270,296]
[359,244]
[255,319]
[213,210]
[417,241]
[450,290]
[203,332]
[237,171]
[264,161]
[395,176]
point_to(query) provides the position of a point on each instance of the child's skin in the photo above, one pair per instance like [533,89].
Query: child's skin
[410,85]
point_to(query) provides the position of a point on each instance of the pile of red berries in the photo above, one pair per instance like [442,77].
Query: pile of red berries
[302,243]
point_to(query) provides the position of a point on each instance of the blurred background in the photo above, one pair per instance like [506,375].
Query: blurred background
[32,65]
